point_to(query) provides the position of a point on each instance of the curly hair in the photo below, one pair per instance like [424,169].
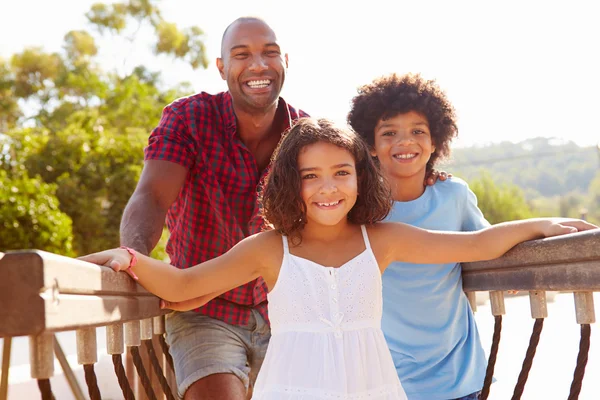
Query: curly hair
[391,95]
[283,206]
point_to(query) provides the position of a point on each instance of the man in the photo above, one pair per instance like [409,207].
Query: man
[203,165]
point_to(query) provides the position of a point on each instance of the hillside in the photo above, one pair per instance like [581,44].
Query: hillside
[541,167]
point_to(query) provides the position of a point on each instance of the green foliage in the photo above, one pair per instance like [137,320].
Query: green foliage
[185,44]
[556,178]
[542,167]
[30,217]
[69,168]
[34,72]
[500,203]
[593,206]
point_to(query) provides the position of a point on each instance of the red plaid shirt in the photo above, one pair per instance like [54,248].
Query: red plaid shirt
[217,206]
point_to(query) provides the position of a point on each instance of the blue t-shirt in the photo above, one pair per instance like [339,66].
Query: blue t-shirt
[427,319]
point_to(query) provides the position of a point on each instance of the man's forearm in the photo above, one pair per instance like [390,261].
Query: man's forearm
[142,223]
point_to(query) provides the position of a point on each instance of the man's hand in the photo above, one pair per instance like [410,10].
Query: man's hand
[186,305]
[433,176]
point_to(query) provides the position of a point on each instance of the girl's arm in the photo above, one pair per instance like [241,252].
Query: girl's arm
[244,262]
[410,244]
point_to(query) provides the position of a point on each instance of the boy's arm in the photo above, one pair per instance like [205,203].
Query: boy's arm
[410,244]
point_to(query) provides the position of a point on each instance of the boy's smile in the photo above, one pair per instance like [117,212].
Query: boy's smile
[403,146]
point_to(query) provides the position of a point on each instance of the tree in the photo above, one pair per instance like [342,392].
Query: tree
[594,200]
[500,203]
[30,217]
[84,131]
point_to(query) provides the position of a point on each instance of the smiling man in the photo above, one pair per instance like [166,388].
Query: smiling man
[203,165]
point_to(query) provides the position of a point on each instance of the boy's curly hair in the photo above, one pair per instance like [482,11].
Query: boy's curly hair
[391,95]
[282,205]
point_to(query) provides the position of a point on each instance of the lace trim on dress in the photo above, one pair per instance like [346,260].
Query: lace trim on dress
[323,394]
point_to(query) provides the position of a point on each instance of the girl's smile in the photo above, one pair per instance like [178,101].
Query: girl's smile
[329,184]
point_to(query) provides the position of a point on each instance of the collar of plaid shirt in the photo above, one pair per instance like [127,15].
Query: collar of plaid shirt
[218,205]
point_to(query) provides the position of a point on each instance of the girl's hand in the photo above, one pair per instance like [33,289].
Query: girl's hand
[117,259]
[563,226]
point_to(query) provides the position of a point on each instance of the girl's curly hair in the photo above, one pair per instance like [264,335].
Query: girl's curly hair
[391,95]
[283,207]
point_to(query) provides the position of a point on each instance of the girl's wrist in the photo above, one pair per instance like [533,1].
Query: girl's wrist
[132,262]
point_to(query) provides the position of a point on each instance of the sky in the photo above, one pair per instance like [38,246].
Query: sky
[513,69]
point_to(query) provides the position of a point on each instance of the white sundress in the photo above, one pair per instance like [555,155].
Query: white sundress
[326,338]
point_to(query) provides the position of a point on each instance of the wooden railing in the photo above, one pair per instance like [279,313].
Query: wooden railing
[42,293]
[569,263]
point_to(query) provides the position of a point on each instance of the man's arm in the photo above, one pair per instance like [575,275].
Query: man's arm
[144,216]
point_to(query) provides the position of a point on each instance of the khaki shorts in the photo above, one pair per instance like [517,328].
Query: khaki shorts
[202,346]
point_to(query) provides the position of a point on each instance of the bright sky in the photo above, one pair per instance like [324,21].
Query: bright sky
[513,69]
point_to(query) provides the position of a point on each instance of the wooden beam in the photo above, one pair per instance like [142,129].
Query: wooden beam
[562,263]
[43,292]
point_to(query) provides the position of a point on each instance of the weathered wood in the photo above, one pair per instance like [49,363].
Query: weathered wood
[538,304]
[472,297]
[114,339]
[562,263]
[158,325]
[584,308]
[41,356]
[497,303]
[146,329]
[87,348]
[43,292]
[6,350]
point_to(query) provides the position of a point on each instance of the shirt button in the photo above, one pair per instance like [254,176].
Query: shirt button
[335,299]
[333,286]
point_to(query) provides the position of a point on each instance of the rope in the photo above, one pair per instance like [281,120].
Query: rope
[582,358]
[158,369]
[45,389]
[139,366]
[489,373]
[92,382]
[533,342]
[122,378]
[165,349]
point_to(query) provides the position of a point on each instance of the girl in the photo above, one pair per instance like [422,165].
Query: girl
[322,263]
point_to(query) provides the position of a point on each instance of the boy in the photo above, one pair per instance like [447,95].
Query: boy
[428,323]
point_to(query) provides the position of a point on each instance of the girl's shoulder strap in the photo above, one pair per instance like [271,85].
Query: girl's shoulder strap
[286,247]
[365,236]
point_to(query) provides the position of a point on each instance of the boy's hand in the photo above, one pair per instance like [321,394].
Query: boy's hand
[433,176]
[563,226]
[117,259]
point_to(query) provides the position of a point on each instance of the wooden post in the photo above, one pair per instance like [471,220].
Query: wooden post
[87,351]
[539,307]
[472,296]
[6,348]
[584,308]
[114,339]
[497,302]
[146,334]
[159,330]
[41,356]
